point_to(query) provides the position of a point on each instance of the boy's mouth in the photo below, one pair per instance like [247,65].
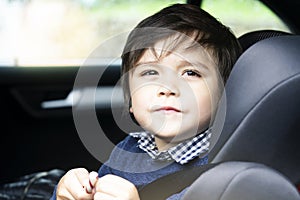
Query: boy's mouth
[168,109]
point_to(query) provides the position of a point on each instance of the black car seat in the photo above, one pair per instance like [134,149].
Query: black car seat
[241,180]
[262,108]
[248,39]
[224,181]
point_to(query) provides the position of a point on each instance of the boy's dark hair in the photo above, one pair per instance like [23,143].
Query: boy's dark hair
[189,20]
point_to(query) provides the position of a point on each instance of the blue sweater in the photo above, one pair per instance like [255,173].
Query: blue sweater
[132,163]
[128,161]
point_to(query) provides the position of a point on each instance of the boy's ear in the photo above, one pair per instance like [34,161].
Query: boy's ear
[130,106]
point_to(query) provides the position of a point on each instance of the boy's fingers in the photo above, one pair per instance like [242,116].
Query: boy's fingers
[90,184]
[115,187]
[78,191]
[93,176]
[82,175]
[77,187]
[88,187]
[103,196]
[70,186]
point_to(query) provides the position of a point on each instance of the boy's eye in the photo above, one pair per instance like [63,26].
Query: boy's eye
[190,72]
[149,73]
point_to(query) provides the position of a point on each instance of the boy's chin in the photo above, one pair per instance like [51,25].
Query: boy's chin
[175,137]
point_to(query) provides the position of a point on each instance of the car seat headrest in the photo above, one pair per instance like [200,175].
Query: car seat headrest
[261,102]
[248,39]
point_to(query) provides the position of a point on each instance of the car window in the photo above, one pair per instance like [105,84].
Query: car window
[243,16]
[64,32]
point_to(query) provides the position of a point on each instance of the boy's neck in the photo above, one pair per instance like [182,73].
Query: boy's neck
[162,145]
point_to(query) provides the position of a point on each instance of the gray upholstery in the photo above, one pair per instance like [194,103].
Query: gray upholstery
[262,106]
[250,38]
[241,181]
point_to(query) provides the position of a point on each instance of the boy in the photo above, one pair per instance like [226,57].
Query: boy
[174,65]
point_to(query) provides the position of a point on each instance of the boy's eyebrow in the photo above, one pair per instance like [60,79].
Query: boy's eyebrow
[181,64]
[145,63]
[185,63]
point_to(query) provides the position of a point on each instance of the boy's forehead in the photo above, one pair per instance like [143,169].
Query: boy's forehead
[187,50]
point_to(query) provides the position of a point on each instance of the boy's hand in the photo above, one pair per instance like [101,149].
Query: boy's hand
[115,187]
[73,185]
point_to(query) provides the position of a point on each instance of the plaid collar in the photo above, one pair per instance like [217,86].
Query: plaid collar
[181,153]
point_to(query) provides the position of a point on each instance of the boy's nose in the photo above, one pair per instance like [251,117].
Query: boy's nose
[167,91]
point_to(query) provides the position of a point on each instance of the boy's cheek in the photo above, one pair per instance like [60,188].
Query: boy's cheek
[143,119]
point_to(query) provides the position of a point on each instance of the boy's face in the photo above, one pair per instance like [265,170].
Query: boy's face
[173,96]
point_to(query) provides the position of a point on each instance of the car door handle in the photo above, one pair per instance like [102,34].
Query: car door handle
[104,97]
[72,98]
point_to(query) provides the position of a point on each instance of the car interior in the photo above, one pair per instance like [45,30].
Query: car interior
[254,152]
